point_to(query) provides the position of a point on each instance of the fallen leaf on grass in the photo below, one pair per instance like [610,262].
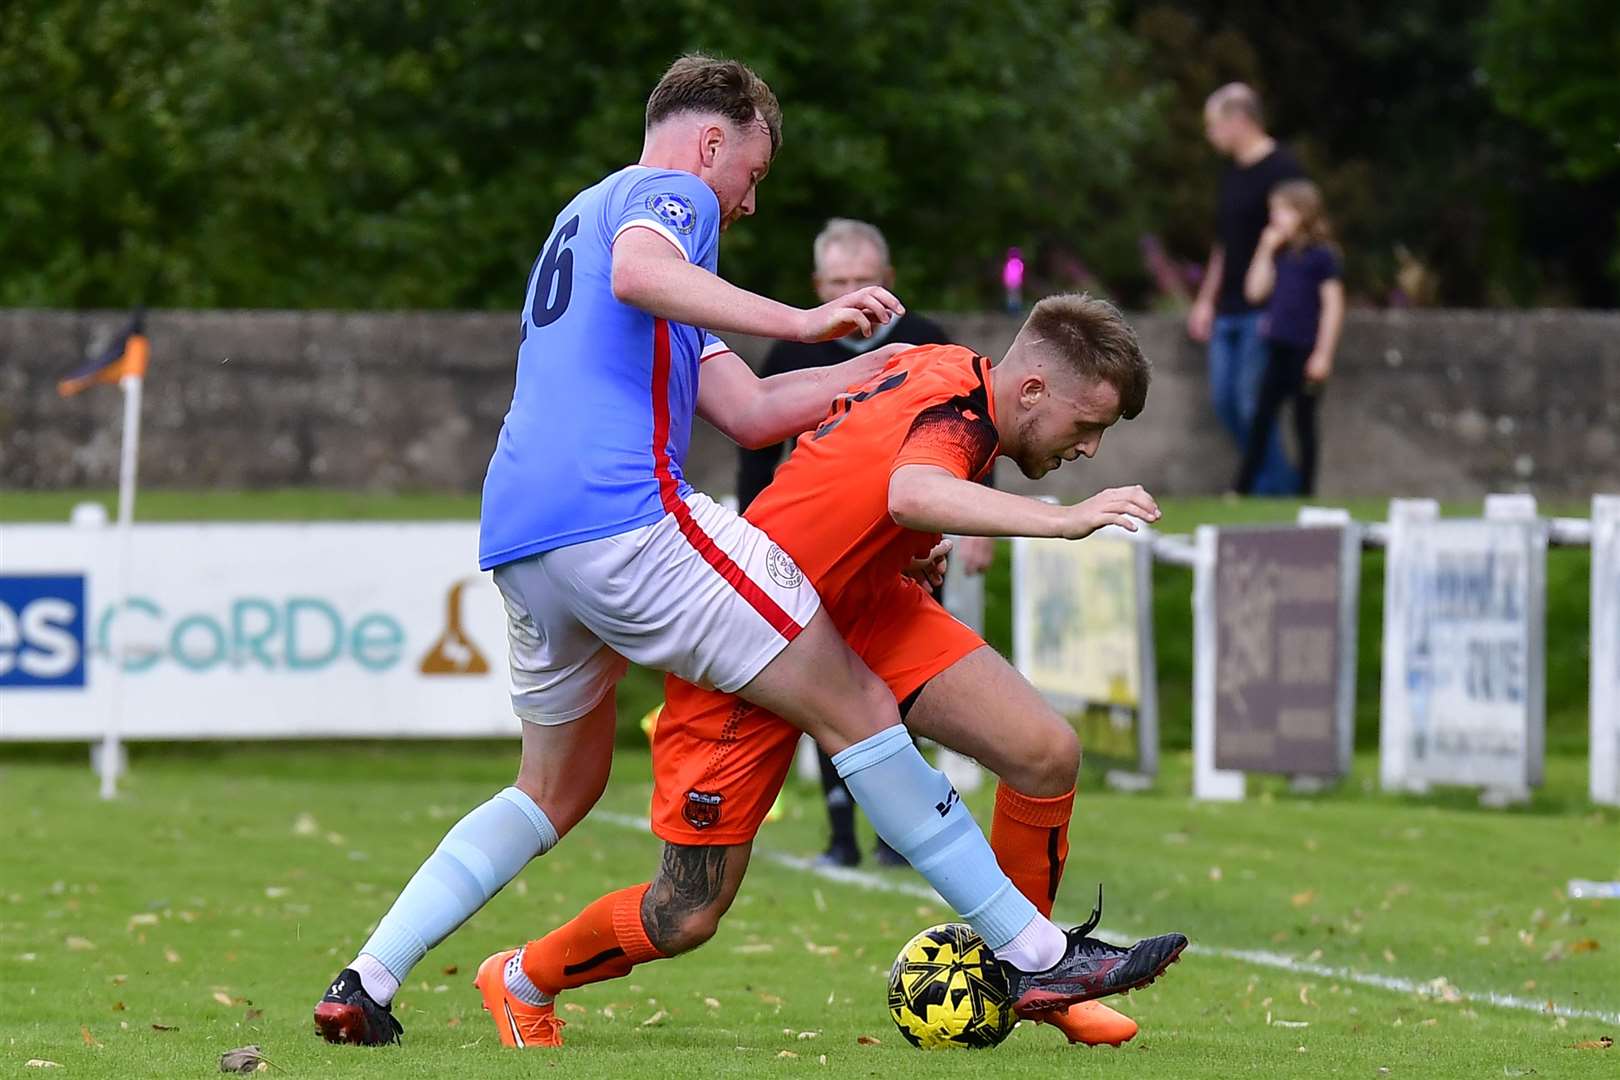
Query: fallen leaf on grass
[1584,945]
[712,1003]
[1289,1023]
[574,1007]
[79,944]
[170,955]
[144,918]
[822,1060]
[1603,1042]
[244,1059]
[1302,899]
[809,1034]
[306,825]
[868,1040]
[41,1063]
[786,1054]
[656,1018]
[89,1039]
[252,1015]
[222,997]
[770,999]
[119,1006]
[761,947]
[451,969]
[164,1027]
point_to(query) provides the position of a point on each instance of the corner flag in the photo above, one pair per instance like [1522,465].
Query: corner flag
[125,355]
[122,362]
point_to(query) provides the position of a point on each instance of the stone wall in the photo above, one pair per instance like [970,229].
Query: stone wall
[1449,404]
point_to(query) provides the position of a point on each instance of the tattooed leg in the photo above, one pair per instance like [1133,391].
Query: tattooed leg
[694,888]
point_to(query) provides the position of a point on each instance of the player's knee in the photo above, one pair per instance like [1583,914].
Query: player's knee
[564,805]
[676,932]
[1051,762]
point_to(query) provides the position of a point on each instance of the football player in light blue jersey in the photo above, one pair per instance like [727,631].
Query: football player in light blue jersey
[603,553]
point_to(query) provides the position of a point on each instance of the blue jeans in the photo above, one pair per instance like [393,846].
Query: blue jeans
[1237,364]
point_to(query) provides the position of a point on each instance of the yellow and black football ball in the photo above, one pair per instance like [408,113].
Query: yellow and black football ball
[946,990]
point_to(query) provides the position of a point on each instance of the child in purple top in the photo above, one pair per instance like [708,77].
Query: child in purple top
[1296,266]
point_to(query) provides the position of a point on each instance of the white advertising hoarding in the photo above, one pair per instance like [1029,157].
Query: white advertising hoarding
[1606,649]
[237,631]
[1464,653]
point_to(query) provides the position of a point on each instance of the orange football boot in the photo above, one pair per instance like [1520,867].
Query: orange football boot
[1092,1023]
[520,1024]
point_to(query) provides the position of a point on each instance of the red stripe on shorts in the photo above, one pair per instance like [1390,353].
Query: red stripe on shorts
[668,494]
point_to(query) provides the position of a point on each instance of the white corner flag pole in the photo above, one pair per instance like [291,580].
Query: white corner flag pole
[112,747]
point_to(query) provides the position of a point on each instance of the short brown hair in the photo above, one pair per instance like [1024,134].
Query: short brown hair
[696,83]
[1096,341]
[1237,97]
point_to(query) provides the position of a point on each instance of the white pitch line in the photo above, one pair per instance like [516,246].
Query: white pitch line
[870,882]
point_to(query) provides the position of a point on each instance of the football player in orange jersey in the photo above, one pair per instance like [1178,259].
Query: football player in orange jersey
[859,510]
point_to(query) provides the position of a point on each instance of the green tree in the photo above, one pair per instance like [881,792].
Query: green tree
[1557,67]
[1385,103]
[250,153]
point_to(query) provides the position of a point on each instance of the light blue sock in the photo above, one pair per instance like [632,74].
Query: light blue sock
[918,813]
[480,854]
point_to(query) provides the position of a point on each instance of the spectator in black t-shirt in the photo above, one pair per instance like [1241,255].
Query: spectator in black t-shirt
[849,255]
[1221,315]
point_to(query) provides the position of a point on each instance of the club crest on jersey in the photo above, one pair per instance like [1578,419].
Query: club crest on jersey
[702,808]
[783,570]
[674,210]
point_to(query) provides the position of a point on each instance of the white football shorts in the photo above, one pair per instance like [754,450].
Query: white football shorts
[701,593]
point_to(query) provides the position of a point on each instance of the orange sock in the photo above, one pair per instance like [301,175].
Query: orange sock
[602,942]
[1030,837]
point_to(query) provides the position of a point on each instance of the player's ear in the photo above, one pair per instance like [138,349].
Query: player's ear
[1031,390]
[713,138]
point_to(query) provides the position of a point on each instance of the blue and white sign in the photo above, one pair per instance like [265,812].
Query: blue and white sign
[235,631]
[1464,652]
[42,630]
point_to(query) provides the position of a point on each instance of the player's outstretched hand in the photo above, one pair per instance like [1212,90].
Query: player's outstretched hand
[929,571]
[859,312]
[1123,506]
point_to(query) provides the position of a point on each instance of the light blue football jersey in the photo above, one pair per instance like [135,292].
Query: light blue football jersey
[596,436]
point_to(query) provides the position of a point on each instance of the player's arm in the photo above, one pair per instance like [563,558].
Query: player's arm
[651,273]
[931,498]
[1201,317]
[751,411]
[1319,365]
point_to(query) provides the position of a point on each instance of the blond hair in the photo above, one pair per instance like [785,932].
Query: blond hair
[1306,198]
[1094,339]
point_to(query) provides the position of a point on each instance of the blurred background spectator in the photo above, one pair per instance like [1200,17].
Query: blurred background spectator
[1221,315]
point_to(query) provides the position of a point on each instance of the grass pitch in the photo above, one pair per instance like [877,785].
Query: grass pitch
[207,907]
[1345,934]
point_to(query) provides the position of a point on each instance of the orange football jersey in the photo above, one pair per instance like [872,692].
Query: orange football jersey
[828,506]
